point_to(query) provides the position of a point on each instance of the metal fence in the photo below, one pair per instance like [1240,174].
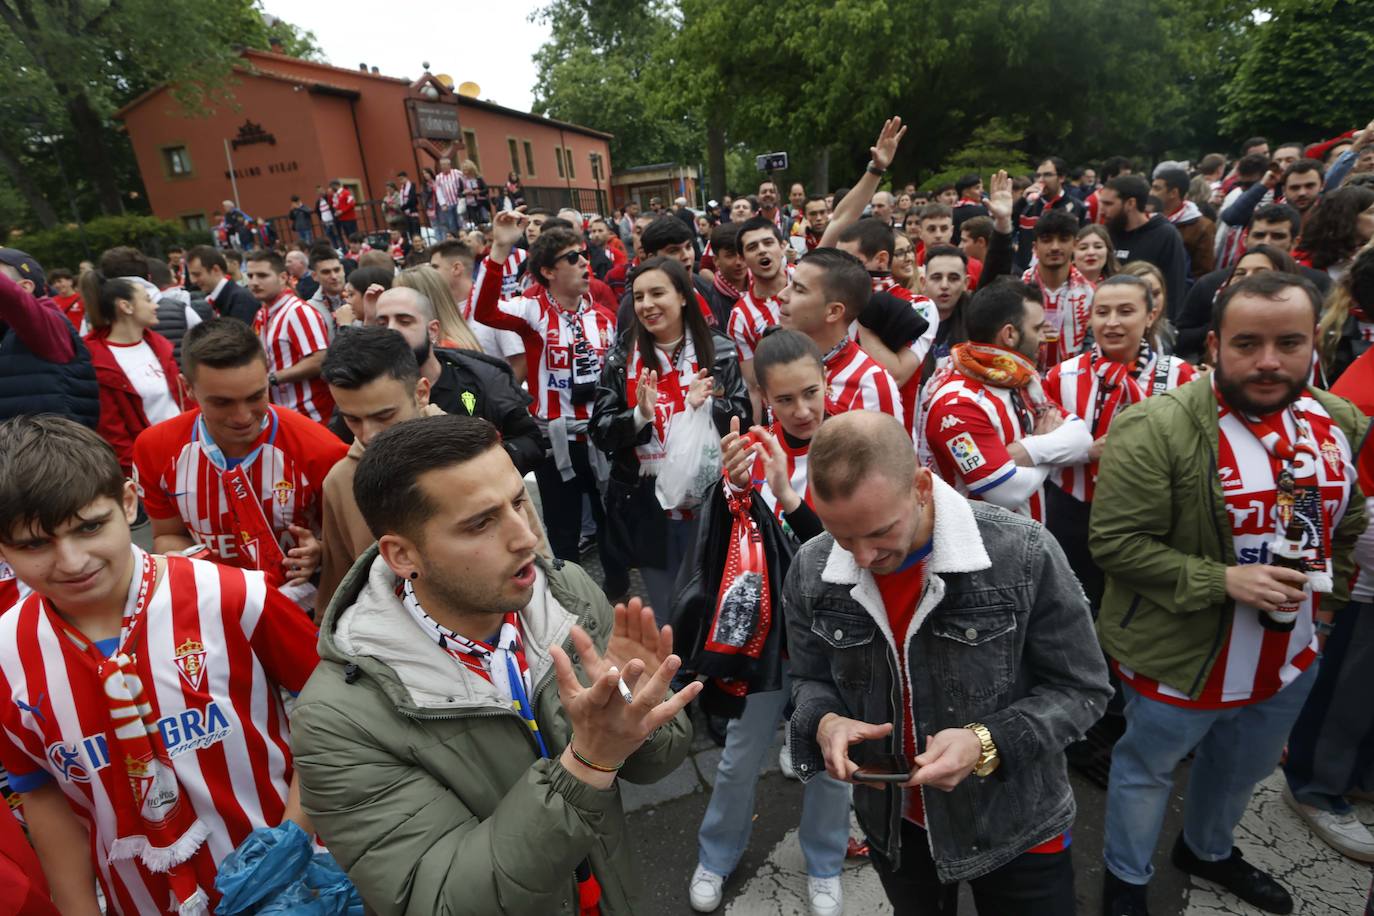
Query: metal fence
[372,221]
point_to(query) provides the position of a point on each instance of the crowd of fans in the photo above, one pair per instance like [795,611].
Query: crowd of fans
[965,484]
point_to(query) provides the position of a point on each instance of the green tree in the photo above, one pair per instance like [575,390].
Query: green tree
[607,66]
[1305,72]
[993,146]
[71,65]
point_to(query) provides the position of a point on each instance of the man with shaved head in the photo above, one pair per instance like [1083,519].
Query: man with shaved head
[1000,670]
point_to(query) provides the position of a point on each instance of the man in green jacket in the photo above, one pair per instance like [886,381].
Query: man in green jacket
[1215,642]
[442,764]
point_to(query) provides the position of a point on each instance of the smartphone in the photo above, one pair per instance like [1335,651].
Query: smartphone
[884,768]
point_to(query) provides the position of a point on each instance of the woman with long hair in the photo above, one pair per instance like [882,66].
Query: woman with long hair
[904,261]
[360,293]
[1121,368]
[1339,224]
[668,362]
[139,380]
[514,192]
[454,332]
[772,461]
[1347,322]
[474,194]
[1094,254]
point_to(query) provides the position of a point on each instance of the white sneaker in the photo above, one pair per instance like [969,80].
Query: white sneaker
[827,897]
[785,762]
[704,893]
[1342,832]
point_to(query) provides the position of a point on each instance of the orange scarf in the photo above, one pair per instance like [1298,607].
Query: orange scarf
[998,367]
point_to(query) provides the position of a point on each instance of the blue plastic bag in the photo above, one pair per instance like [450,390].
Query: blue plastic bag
[269,862]
[338,895]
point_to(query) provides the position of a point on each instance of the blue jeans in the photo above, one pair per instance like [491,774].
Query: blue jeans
[307,236]
[729,819]
[1236,748]
[447,220]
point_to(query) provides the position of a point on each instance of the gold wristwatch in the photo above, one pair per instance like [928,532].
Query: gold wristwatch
[988,761]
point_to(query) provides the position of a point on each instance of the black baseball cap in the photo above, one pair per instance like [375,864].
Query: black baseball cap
[28,268]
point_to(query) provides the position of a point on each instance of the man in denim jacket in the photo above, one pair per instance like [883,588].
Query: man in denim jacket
[994,670]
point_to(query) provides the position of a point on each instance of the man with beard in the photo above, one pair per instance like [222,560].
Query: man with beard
[994,434]
[1198,232]
[461,382]
[1214,643]
[1141,237]
[1052,174]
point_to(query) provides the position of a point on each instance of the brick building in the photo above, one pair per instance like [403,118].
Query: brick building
[293,124]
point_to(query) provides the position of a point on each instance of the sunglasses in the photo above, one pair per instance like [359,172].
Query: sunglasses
[573,258]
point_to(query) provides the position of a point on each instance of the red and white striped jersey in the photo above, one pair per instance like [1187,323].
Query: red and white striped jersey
[547,333]
[968,428]
[1066,315]
[856,381]
[1256,663]
[510,273]
[1075,387]
[216,645]
[448,188]
[176,478]
[291,331]
[749,318]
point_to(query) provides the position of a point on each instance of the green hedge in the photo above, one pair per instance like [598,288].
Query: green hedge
[68,246]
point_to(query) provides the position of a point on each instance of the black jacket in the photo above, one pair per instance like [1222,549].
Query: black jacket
[694,605]
[30,384]
[171,317]
[237,302]
[614,431]
[1158,242]
[476,385]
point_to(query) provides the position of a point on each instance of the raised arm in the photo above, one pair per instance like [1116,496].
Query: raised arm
[42,329]
[852,206]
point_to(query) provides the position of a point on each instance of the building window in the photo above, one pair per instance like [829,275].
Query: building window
[195,222]
[176,161]
[470,141]
[529,159]
[596,167]
[558,160]
[514,155]
[567,155]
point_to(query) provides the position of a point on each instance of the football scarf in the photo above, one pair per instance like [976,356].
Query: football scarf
[671,398]
[255,532]
[744,608]
[153,824]
[726,288]
[503,666]
[1000,368]
[1298,487]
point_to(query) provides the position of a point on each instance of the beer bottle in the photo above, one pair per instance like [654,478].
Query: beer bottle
[1287,553]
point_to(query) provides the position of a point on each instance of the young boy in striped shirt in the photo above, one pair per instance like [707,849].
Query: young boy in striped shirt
[146,724]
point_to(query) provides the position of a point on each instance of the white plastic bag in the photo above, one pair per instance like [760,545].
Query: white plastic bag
[693,460]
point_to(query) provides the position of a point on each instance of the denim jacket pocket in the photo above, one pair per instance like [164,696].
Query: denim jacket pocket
[975,650]
[850,637]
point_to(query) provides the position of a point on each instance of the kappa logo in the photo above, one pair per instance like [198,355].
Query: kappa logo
[966,453]
[950,420]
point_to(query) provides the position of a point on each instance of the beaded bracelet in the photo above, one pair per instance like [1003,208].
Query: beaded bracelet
[594,766]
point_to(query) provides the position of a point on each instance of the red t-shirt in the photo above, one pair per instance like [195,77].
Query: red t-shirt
[901,592]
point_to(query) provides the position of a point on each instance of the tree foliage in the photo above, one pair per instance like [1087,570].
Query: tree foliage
[69,245]
[1305,72]
[1078,78]
[993,146]
[70,65]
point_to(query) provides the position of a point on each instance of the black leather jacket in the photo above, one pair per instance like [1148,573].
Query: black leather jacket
[1002,637]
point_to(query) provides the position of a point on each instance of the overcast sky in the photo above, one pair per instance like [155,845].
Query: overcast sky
[488,43]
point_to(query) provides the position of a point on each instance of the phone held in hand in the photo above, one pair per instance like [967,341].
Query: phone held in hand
[884,768]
